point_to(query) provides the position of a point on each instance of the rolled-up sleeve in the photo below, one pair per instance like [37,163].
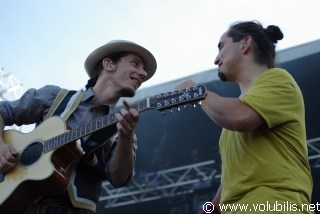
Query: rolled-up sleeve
[30,108]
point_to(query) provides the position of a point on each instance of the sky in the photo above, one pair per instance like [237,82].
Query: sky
[46,42]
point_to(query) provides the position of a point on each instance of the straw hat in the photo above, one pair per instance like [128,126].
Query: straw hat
[121,46]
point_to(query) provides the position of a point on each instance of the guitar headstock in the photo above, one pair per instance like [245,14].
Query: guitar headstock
[178,97]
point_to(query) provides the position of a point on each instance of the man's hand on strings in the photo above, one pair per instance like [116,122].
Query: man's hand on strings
[127,119]
[8,157]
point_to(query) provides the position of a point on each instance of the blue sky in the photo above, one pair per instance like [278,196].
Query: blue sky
[46,42]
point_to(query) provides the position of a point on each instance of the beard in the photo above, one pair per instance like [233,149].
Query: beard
[127,92]
[222,76]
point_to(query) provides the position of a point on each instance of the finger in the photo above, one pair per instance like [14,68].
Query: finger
[121,129]
[134,114]
[10,158]
[124,118]
[13,151]
[131,117]
[126,104]
[5,165]
[2,160]
[9,154]
[79,147]
[124,131]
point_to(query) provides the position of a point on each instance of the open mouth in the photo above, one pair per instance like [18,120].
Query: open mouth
[136,81]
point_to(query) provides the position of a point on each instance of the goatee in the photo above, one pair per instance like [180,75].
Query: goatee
[222,76]
[127,92]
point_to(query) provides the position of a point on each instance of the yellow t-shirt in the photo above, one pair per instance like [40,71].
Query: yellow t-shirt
[269,165]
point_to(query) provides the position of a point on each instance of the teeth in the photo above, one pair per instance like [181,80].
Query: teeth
[136,81]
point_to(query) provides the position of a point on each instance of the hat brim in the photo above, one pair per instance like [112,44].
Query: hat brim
[116,46]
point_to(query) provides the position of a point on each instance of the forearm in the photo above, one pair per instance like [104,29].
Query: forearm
[220,109]
[122,162]
[231,113]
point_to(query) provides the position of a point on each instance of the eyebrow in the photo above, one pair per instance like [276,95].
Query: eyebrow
[139,60]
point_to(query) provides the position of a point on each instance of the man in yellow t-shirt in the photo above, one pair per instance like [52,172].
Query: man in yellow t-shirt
[263,148]
[268,166]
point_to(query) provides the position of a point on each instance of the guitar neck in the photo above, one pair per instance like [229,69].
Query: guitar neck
[89,128]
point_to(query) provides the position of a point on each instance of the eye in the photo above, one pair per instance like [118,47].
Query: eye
[135,63]
[220,46]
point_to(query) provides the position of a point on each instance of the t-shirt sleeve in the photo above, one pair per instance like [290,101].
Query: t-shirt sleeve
[273,96]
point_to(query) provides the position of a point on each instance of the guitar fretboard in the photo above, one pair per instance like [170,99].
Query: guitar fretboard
[89,128]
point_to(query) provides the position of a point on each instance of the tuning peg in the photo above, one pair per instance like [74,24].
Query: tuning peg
[178,109]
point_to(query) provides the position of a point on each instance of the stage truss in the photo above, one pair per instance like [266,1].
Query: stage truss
[178,181]
[314,152]
[10,88]
[161,184]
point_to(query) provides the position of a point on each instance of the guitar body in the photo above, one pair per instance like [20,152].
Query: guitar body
[36,173]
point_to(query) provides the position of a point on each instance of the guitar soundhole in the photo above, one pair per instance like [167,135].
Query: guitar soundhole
[31,154]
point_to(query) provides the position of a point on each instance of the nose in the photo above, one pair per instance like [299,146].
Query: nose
[217,60]
[142,73]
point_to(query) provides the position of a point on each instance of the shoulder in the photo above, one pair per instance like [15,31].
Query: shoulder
[47,92]
[50,89]
[44,95]
[277,79]
[277,74]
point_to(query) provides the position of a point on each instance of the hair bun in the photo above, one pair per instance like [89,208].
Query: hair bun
[274,33]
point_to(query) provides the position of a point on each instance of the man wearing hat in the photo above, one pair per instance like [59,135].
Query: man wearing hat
[116,69]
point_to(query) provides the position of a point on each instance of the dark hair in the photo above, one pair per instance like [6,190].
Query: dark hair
[264,39]
[115,57]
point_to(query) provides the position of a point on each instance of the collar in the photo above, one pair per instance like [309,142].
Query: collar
[90,96]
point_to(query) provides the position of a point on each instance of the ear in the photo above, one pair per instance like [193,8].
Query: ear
[246,44]
[107,64]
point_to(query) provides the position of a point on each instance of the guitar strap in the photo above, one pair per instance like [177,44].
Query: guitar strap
[65,104]
[56,102]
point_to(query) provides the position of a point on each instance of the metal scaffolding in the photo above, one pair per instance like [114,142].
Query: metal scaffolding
[10,88]
[178,181]
[314,152]
[161,184]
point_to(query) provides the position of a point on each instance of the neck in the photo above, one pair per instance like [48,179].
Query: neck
[105,95]
[249,76]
